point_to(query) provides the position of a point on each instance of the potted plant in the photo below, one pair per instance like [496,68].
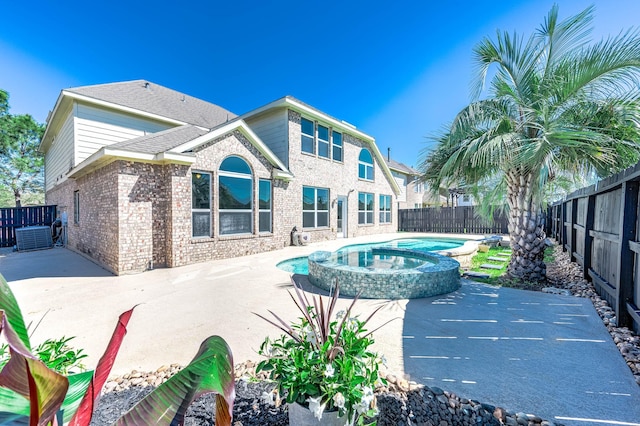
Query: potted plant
[322,363]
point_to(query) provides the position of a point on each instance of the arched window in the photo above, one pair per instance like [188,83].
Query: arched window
[235,197]
[365,165]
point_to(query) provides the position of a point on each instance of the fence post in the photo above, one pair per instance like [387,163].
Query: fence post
[628,218]
[563,229]
[574,234]
[588,239]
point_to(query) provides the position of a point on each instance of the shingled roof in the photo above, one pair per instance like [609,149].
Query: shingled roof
[156,143]
[151,98]
[400,167]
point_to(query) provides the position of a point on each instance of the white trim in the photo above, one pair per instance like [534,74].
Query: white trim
[288,101]
[108,155]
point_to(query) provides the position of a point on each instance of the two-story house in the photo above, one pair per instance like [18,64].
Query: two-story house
[151,177]
[414,194]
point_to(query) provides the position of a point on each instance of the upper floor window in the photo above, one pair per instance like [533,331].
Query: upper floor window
[336,139]
[201,204]
[365,208]
[264,198]
[365,165]
[315,207]
[308,136]
[320,140]
[323,141]
[235,197]
[385,209]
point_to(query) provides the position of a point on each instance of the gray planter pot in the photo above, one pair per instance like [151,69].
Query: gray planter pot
[301,416]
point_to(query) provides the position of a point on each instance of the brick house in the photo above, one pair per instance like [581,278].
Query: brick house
[150,177]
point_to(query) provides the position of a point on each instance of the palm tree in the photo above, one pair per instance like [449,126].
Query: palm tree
[557,106]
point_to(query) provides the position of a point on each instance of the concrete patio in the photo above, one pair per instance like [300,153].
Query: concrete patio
[544,354]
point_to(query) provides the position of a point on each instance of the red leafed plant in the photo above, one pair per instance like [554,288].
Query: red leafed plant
[32,393]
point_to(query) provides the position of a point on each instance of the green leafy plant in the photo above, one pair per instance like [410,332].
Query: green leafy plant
[34,394]
[323,360]
[57,354]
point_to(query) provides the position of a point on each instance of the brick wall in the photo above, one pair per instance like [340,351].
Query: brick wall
[96,233]
[340,178]
[187,249]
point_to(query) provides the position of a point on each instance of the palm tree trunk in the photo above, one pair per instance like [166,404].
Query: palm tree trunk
[526,229]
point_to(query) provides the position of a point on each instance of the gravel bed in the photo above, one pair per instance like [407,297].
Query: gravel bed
[399,403]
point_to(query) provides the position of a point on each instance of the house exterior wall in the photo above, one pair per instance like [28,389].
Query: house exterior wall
[401,179]
[339,178]
[271,127]
[186,249]
[98,127]
[143,212]
[96,232]
[415,195]
[60,156]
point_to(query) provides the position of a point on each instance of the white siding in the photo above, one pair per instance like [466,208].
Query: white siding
[59,158]
[401,180]
[272,129]
[97,127]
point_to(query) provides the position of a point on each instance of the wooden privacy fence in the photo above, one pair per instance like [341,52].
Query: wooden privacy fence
[461,220]
[599,226]
[19,217]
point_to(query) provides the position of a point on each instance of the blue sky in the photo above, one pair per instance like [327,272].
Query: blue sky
[399,71]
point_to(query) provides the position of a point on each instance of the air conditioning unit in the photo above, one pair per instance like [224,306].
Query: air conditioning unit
[304,238]
[33,238]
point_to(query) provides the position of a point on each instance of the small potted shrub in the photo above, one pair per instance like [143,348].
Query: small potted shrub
[322,363]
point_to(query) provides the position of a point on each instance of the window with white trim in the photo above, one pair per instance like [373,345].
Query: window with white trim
[323,141]
[365,208]
[235,197]
[264,208]
[320,140]
[201,204]
[385,209]
[308,136]
[336,143]
[315,207]
[365,165]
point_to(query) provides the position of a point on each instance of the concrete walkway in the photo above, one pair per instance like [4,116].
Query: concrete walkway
[538,353]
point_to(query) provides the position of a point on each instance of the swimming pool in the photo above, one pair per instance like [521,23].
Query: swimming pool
[300,265]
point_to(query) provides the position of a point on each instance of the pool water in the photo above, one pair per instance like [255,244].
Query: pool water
[360,255]
[366,259]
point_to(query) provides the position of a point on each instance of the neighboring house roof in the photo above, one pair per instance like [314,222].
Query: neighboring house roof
[306,109]
[400,167]
[152,98]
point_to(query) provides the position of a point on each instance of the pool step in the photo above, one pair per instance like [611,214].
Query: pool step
[473,274]
[490,266]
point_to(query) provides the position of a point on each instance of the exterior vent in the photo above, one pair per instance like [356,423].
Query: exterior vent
[33,238]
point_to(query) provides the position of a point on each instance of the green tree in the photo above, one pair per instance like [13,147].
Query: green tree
[21,165]
[557,106]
